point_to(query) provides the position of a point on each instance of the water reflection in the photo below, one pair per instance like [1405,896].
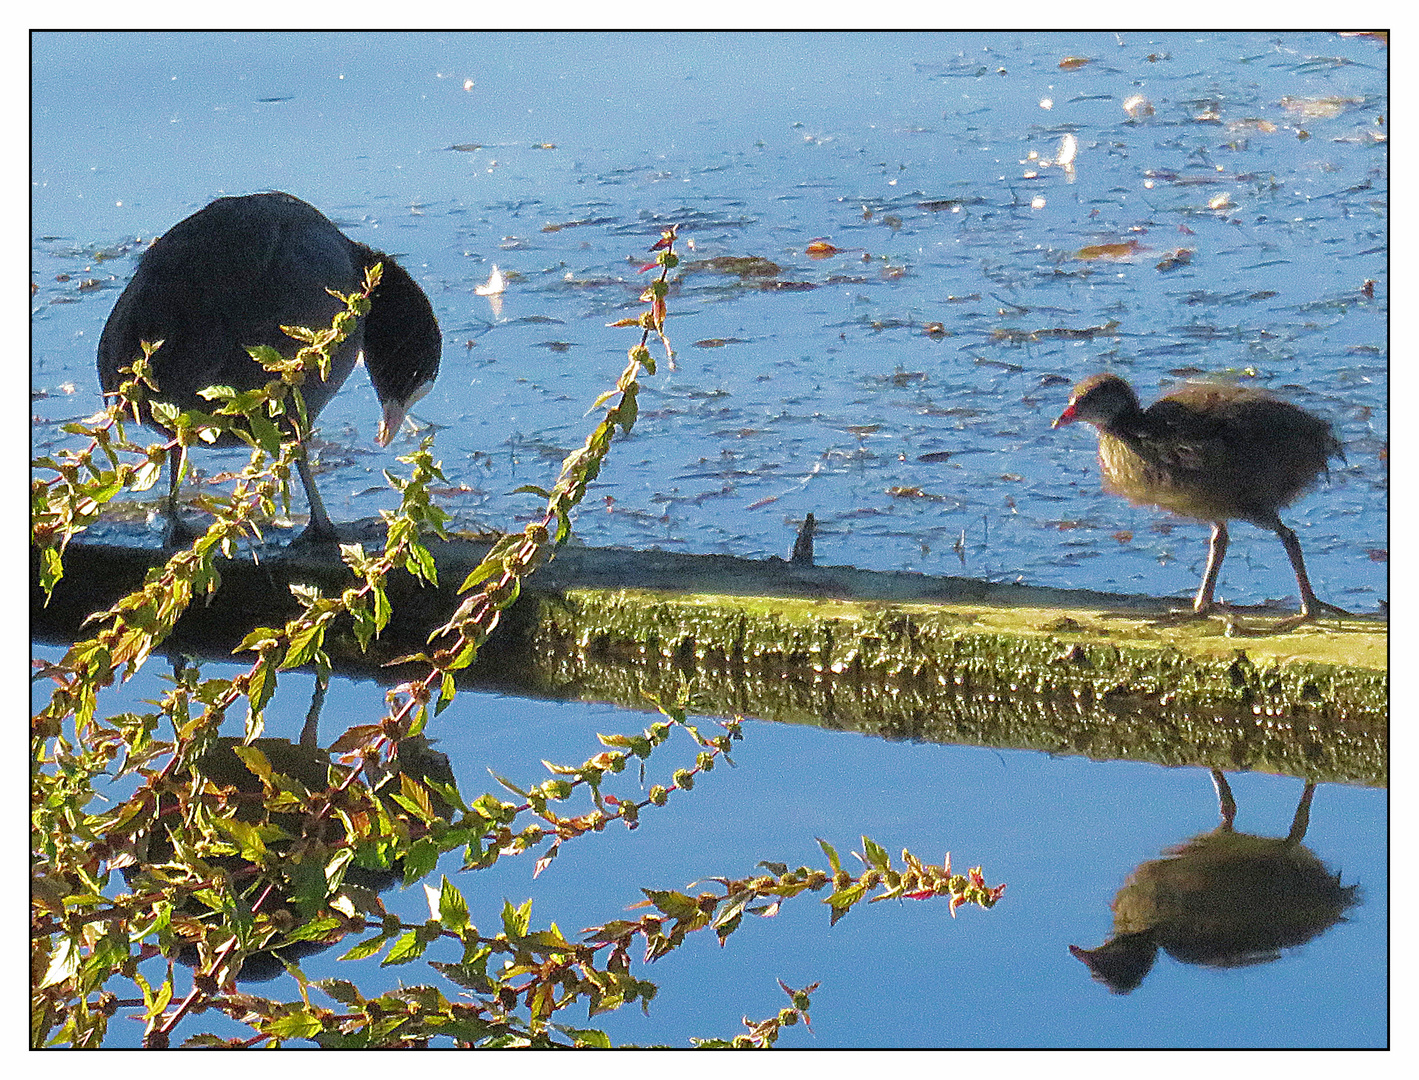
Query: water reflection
[1223,899]
[298,770]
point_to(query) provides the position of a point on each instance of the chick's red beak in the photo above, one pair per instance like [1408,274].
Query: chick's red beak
[1066,417]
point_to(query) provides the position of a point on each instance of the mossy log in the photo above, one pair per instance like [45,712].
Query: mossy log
[901,655]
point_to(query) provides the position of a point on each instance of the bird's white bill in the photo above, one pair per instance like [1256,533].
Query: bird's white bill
[394,414]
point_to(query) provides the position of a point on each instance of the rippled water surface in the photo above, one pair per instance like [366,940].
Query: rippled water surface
[901,388]
[920,158]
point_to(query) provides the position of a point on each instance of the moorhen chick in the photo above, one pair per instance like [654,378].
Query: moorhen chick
[231,276]
[1211,452]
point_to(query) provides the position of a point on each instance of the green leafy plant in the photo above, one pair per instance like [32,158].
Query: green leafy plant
[156,841]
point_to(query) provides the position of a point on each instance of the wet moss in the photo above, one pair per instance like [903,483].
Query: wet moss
[1023,678]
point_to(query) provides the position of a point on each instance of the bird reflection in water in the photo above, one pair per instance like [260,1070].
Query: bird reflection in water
[1223,899]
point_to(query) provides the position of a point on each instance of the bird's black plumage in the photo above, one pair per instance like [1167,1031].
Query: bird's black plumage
[231,275]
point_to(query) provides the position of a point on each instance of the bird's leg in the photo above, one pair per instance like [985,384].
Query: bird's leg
[1216,552]
[177,533]
[1226,804]
[1302,820]
[320,527]
[310,734]
[1202,605]
[1309,603]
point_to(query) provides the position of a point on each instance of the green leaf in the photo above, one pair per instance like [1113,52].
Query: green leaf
[299,1024]
[586,1037]
[448,792]
[875,854]
[410,946]
[831,853]
[304,644]
[453,909]
[447,692]
[549,939]
[540,1007]
[600,401]
[516,920]
[480,573]
[420,563]
[508,784]
[254,760]
[268,436]
[265,354]
[414,797]
[63,962]
[845,897]
[346,993]
[261,687]
[365,948]
[256,637]
[423,856]
[315,930]
[675,904]
[247,837]
[52,569]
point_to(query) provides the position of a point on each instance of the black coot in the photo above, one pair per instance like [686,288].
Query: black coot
[231,276]
[1211,452]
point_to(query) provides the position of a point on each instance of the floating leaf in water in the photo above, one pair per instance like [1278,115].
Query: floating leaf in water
[1318,108]
[1109,251]
[1070,63]
[743,265]
[1173,259]
[821,249]
[1266,127]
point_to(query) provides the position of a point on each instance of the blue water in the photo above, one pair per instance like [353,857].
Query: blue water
[759,145]
[1061,833]
[457,152]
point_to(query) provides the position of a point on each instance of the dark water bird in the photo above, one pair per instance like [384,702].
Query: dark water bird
[229,277]
[1212,452]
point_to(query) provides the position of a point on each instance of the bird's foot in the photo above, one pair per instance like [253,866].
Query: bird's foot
[1318,608]
[1180,616]
[1333,610]
[318,533]
[178,534]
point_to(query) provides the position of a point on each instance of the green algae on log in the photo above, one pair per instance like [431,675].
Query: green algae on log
[1075,682]
[901,655]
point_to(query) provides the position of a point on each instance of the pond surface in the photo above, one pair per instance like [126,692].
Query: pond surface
[559,159]
[1063,834]
[927,161]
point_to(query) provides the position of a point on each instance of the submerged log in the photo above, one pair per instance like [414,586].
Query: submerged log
[896,654]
